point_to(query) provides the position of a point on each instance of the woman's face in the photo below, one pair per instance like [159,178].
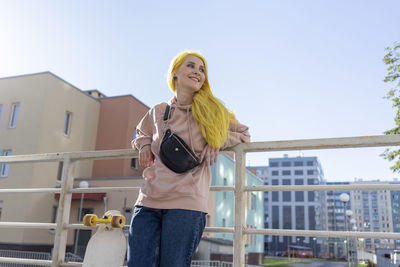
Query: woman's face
[191,73]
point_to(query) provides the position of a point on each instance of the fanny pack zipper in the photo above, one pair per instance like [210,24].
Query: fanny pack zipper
[189,152]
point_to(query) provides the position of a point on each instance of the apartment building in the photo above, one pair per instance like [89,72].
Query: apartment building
[395,204]
[296,210]
[372,211]
[40,113]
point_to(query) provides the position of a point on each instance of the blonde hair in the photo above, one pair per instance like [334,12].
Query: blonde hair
[214,118]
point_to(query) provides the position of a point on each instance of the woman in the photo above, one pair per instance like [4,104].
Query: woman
[169,215]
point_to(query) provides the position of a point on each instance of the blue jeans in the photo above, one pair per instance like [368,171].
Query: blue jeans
[164,238]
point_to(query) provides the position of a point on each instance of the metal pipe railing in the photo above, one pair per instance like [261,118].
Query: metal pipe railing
[239,230]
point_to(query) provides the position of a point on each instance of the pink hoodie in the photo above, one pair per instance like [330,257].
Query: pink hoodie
[163,188]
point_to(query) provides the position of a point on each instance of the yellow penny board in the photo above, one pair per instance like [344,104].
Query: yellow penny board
[107,247]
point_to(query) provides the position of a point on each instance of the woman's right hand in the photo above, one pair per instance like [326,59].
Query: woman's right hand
[146,157]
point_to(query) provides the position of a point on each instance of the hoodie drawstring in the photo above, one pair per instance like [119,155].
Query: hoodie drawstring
[190,129]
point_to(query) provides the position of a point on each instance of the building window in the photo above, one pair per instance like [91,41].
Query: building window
[286,196]
[285,173]
[275,173]
[275,182]
[298,172]
[311,196]
[14,115]
[134,163]
[84,212]
[287,217]
[298,163]
[1,208]
[299,196]
[223,222]
[275,217]
[54,214]
[4,168]
[275,196]
[311,218]
[310,172]
[310,181]
[67,123]
[273,164]
[253,201]
[300,217]
[298,182]
[286,164]
[59,173]
[310,163]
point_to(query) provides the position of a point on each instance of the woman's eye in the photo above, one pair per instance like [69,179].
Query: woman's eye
[202,70]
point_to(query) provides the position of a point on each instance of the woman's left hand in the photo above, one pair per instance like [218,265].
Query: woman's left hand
[210,154]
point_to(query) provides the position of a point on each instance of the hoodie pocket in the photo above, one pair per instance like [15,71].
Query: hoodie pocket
[169,185]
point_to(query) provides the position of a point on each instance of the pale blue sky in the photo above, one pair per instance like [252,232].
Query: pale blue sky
[289,69]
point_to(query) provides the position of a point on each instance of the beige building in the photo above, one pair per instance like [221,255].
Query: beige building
[372,211]
[40,113]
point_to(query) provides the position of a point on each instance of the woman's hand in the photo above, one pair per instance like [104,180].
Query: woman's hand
[146,157]
[210,153]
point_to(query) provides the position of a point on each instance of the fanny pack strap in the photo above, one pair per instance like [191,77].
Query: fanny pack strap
[166,112]
[166,118]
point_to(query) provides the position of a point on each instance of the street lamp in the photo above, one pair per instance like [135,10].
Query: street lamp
[349,213]
[345,198]
[355,247]
[82,184]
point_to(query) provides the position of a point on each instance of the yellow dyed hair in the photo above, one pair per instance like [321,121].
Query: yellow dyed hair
[214,118]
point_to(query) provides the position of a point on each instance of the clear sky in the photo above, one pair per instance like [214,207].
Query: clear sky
[289,69]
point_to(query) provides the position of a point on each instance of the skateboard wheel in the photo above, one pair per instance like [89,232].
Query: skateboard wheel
[90,220]
[118,221]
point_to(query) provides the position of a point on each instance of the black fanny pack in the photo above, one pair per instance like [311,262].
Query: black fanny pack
[175,153]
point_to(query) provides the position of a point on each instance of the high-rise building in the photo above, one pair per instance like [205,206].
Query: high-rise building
[372,211]
[395,204]
[302,210]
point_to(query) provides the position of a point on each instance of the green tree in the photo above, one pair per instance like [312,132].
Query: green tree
[392,60]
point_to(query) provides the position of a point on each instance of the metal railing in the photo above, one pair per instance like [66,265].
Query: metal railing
[239,230]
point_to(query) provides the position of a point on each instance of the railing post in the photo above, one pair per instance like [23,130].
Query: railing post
[64,207]
[240,208]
